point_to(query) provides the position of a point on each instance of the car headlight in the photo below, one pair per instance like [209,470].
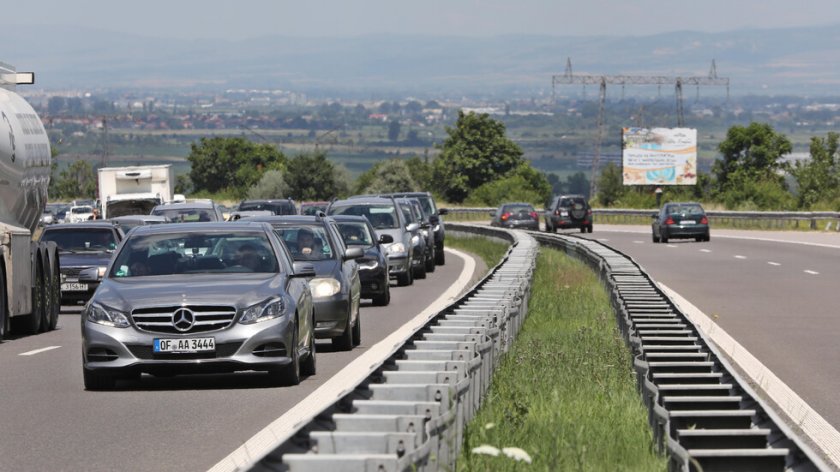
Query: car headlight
[101,271]
[264,311]
[396,249]
[425,233]
[415,240]
[437,228]
[368,265]
[324,287]
[105,316]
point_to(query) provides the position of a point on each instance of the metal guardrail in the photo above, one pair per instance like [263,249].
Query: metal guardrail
[831,218]
[702,413]
[411,410]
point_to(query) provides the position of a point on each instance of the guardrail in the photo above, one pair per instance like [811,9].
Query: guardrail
[410,410]
[772,219]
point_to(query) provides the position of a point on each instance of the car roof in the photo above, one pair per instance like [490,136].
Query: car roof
[517,203]
[363,200]
[240,225]
[185,206]
[271,200]
[291,219]
[358,218]
[85,224]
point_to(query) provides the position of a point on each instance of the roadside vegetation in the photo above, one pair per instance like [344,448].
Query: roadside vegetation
[564,396]
[491,252]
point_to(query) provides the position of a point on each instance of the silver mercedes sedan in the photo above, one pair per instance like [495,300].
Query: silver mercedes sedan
[198,298]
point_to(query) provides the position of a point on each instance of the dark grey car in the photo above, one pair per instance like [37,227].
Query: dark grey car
[680,220]
[435,219]
[516,216]
[204,211]
[197,298]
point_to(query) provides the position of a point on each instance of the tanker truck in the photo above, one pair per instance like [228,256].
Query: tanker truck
[30,281]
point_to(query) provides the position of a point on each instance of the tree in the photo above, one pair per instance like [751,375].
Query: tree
[233,164]
[753,152]
[312,177]
[610,185]
[421,172]
[391,176]
[476,152]
[393,130]
[183,184]
[77,180]
[271,185]
[819,178]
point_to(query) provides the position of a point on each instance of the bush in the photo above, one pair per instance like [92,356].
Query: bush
[271,185]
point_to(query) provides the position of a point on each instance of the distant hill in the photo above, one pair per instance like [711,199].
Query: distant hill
[796,61]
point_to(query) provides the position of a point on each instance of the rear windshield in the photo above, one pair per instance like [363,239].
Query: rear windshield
[355,233]
[576,203]
[685,209]
[380,216]
[82,239]
[186,215]
[517,209]
[195,253]
[278,208]
[80,210]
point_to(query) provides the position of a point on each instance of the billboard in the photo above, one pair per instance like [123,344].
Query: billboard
[659,156]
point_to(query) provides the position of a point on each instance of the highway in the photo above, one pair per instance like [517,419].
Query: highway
[775,293]
[49,422]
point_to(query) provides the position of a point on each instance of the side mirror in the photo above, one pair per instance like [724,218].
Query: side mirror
[386,239]
[434,219]
[90,274]
[412,227]
[443,211]
[303,269]
[353,253]
[493,214]
[655,216]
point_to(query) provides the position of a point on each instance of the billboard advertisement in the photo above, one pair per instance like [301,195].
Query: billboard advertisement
[659,156]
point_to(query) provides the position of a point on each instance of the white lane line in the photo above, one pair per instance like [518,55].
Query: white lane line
[670,245]
[38,351]
[773,263]
[706,250]
[638,242]
[740,257]
[811,272]
[341,383]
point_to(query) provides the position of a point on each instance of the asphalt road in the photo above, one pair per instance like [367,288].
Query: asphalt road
[49,422]
[777,298]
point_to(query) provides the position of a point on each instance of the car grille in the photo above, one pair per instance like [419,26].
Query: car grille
[72,271]
[146,353]
[207,318]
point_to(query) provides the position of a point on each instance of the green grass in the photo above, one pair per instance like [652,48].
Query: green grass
[565,393]
[491,252]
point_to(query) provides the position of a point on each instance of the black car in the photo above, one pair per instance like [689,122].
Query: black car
[680,220]
[336,288]
[373,267]
[516,216]
[429,207]
[568,212]
[82,246]
[284,206]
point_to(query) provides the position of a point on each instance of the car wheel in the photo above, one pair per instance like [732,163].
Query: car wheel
[708,237]
[357,330]
[384,298]
[4,314]
[420,271]
[440,256]
[430,262]
[663,237]
[307,367]
[589,229]
[290,374]
[404,280]
[98,380]
[583,229]
[344,341]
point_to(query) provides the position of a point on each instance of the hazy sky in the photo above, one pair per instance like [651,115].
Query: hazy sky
[239,19]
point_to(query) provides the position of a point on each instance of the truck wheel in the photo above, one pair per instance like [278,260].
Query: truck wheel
[49,288]
[32,321]
[4,314]
[56,292]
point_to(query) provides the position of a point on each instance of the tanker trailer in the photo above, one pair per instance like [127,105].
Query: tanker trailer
[30,281]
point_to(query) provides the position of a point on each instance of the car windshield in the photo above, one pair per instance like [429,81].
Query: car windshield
[81,239]
[517,209]
[576,203]
[195,253]
[278,208]
[81,210]
[380,216]
[688,209]
[186,215]
[306,242]
[355,233]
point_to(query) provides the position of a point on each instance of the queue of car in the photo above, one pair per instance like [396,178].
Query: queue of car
[201,294]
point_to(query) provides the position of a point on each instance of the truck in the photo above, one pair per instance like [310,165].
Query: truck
[134,190]
[30,280]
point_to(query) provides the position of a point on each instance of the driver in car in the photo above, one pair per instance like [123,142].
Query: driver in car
[306,242]
[246,256]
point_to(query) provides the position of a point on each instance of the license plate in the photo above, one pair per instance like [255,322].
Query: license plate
[687,222]
[74,287]
[185,345]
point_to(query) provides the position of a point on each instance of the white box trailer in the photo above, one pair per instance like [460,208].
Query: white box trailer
[134,190]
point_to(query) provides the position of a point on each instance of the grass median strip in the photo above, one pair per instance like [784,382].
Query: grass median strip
[564,396]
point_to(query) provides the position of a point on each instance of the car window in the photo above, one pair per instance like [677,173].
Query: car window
[81,210]
[517,208]
[380,216]
[355,233]
[685,210]
[306,242]
[408,215]
[82,239]
[195,253]
[186,215]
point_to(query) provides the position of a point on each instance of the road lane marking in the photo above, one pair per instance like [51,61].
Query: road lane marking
[773,263]
[740,257]
[706,250]
[343,382]
[639,242]
[670,245]
[812,272]
[38,351]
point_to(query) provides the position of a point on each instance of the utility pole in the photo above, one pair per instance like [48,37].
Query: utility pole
[568,78]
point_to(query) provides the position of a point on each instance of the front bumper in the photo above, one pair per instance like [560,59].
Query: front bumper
[398,265]
[374,281]
[79,297]
[260,346]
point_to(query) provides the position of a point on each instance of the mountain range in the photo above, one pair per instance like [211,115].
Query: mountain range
[793,61]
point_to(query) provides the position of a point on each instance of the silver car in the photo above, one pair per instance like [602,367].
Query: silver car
[199,297]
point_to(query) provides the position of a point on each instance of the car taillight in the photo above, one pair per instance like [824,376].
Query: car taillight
[669,221]
[704,221]
[505,216]
[589,212]
[534,215]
